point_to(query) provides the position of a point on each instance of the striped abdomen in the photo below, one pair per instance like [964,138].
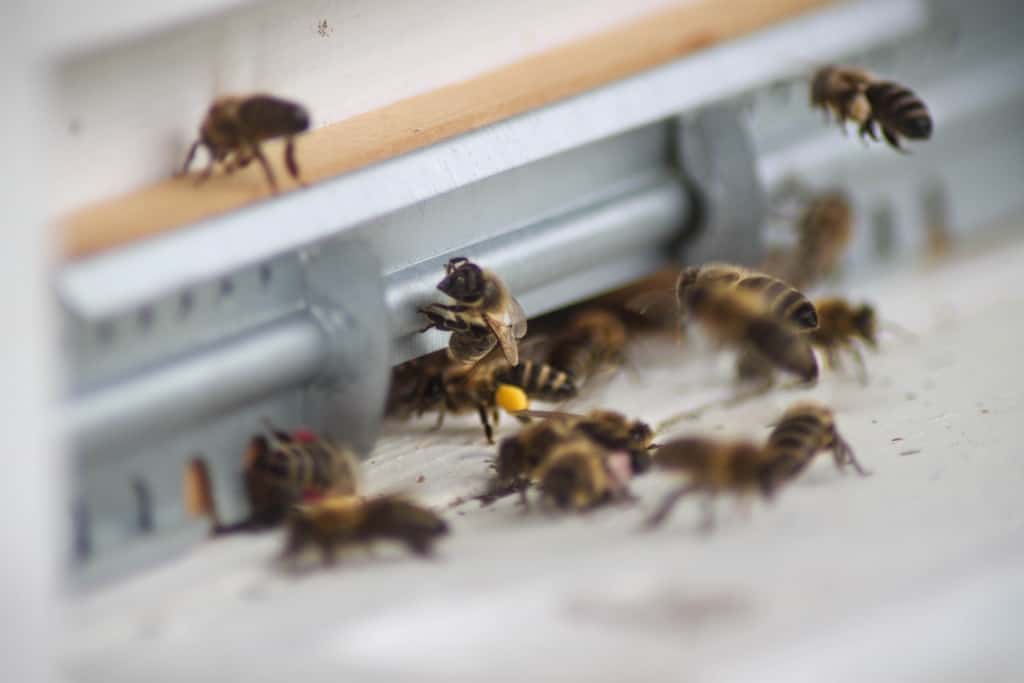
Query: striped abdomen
[540,381]
[899,111]
[593,338]
[798,437]
[783,300]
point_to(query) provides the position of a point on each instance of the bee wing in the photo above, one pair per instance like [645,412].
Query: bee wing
[547,414]
[506,340]
[516,318]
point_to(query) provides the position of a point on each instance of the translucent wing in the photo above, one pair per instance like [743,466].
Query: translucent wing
[515,318]
[507,342]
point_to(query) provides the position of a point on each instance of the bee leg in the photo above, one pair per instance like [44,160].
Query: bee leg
[707,522]
[257,152]
[893,140]
[666,506]
[190,156]
[289,161]
[440,419]
[847,456]
[488,430]
[858,357]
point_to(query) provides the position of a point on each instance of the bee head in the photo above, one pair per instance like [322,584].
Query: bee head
[865,321]
[464,281]
[820,85]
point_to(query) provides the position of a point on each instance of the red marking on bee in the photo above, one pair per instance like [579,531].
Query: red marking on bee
[303,435]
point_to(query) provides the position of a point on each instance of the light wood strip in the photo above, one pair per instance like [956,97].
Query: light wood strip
[428,118]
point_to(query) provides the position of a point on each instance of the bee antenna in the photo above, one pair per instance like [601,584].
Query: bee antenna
[898,330]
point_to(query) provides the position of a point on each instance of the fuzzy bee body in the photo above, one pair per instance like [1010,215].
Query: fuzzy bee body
[712,466]
[593,338]
[521,456]
[780,298]
[898,112]
[805,430]
[285,468]
[438,384]
[340,521]
[576,476]
[843,325]
[855,95]
[485,314]
[741,319]
[235,126]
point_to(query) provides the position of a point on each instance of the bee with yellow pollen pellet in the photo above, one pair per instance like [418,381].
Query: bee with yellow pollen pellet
[511,398]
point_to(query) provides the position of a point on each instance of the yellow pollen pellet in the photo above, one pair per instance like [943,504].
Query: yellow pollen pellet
[511,398]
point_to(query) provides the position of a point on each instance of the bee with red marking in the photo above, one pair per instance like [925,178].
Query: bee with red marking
[485,313]
[235,127]
[337,522]
[284,468]
[805,430]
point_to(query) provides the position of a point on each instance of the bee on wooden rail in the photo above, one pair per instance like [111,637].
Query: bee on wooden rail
[283,468]
[485,313]
[843,325]
[856,95]
[805,430]
[235,127]
[338,522]
[579,474]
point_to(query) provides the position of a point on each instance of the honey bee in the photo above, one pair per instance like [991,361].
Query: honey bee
[842,325]
[740,318]
[594,338]
[284,468]
[840,91]
[898,112]
[579,474]
[457,388]
[852,94]
[805,430]
[341,521]
[781,299]
[520,456]
[824,231]
[713,466]
[485,313]
[235,126]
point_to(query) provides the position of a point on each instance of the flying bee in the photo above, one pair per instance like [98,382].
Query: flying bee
[741,319]
[235,126]
[852,94]
[842,325]
[594,338]
[485,313]
[340,521]
[781,299]
[519,456]
[823,234]
[712,466]
[284,468]
[841,91]
[898,112]
[579,474]
[805,430]
[459,388]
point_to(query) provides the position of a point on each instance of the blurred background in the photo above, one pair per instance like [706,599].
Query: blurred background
[577,147]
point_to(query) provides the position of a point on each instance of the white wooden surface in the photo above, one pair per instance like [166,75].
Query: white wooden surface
[126,113]
[913,574]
